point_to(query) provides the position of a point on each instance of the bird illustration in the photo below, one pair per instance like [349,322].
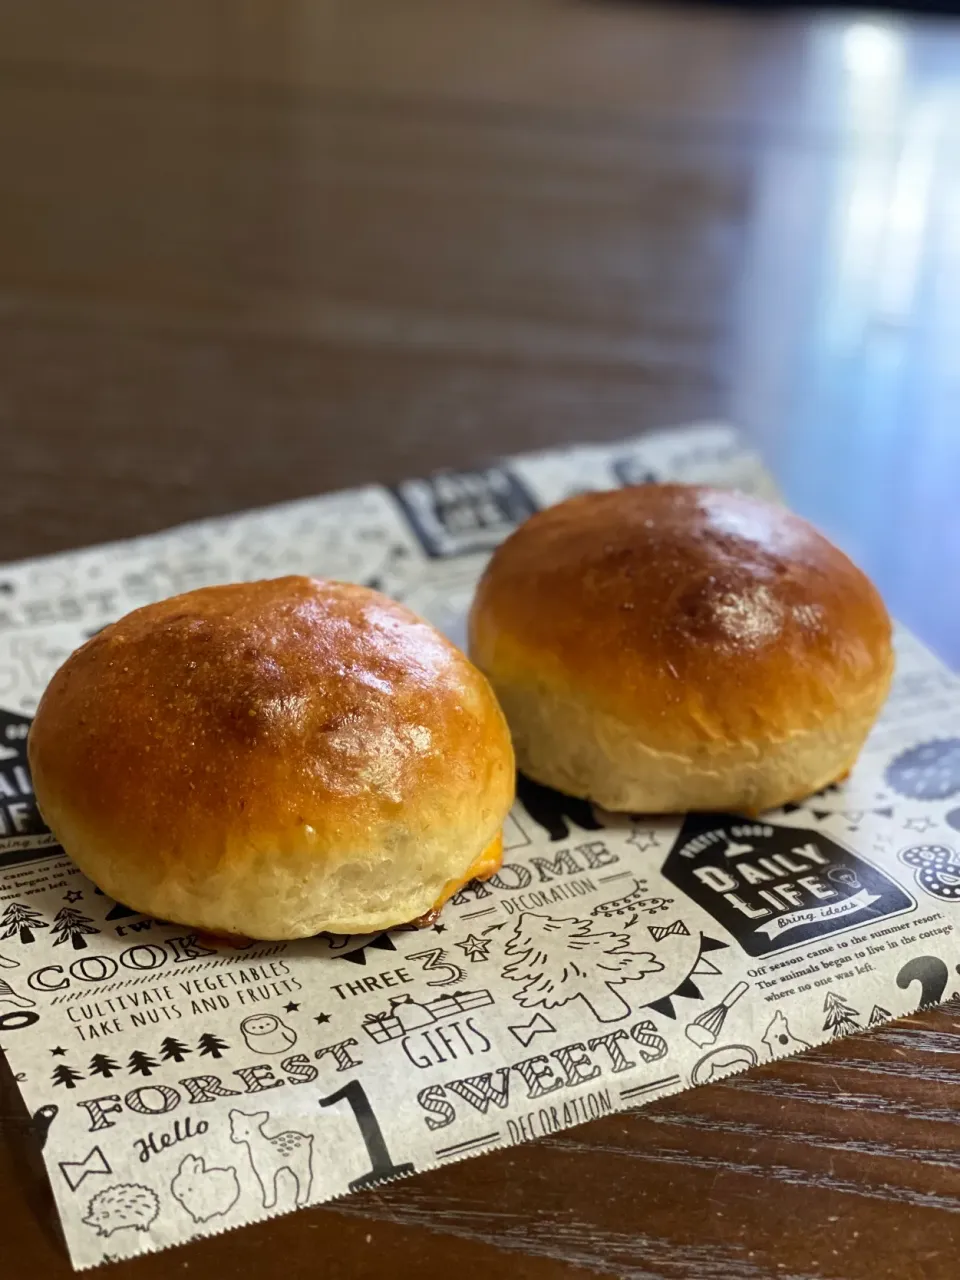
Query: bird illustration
[780,1039]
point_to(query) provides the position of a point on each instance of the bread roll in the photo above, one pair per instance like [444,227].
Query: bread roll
[274,759]
[668,647]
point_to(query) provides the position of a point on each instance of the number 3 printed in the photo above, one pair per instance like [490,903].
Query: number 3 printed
[433,961]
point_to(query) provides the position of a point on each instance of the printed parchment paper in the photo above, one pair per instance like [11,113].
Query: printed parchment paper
[180,1088]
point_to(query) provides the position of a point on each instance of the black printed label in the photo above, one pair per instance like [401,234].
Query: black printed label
[23,833]
[774,887]
[631,470]
[456,512]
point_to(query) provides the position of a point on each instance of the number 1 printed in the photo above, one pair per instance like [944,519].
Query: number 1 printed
[382,1165]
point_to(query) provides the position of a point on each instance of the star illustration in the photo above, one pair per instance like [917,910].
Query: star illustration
[475,948]
[919,824]
[439,928]
[74,895]
[292,1007]
[644,840]
[58,1052]
[321,1018]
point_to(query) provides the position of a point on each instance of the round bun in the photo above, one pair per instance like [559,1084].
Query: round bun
[274,759]
[672,647]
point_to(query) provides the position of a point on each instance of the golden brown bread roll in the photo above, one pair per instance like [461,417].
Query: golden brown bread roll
[671,647]
[274,759]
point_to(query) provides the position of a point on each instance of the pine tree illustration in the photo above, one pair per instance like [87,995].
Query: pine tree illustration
[102,1065]
[841,1017]
[62,1074]
[562,960]
[141,1063]
[211,1045]
[173,1050]
[73,925]
[878,1015]
[19,918]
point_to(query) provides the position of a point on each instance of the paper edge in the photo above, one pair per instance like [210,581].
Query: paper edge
[683,1087]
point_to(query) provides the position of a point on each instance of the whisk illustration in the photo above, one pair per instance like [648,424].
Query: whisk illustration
[705,1029]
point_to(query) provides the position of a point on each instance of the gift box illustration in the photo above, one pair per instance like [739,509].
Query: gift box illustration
[406,1014]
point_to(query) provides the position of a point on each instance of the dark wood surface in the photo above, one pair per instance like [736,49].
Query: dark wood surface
[255,250]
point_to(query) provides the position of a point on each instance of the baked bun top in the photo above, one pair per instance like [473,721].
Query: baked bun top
[310,751]
[700,615]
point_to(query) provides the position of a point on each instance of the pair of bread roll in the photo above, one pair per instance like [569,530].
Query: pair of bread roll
[279,758]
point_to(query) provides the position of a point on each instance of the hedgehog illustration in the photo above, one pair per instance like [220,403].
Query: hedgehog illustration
[126,1205]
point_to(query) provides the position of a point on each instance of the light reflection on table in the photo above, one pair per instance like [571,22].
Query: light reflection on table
[849,367]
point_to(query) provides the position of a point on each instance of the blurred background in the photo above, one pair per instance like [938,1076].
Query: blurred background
[255,250]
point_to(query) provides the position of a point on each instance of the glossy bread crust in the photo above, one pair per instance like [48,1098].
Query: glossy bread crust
[669,647]
[272,759]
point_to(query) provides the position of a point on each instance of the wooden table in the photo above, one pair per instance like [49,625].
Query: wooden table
[257,250]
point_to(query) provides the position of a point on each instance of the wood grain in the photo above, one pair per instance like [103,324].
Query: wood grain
[257,250]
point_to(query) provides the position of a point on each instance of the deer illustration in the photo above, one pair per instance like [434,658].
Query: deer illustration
[271,1155]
